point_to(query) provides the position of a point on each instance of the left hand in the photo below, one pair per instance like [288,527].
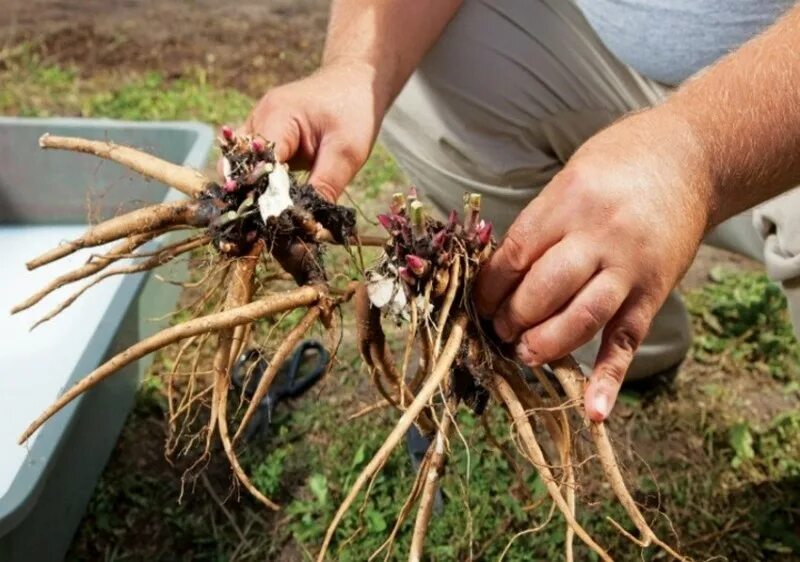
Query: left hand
[600,248]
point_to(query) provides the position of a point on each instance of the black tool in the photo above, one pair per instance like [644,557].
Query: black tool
[417,445]
[250,367]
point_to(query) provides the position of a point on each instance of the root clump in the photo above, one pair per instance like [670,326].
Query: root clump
[260,225]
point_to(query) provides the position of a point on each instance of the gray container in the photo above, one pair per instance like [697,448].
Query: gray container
[45,486]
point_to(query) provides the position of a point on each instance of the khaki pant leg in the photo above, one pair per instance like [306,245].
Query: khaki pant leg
[498,106]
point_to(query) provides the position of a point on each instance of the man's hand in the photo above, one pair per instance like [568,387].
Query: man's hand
[601,246]
[326,122]
[607,239]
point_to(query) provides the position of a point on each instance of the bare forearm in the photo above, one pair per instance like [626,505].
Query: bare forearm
[388,36]
[745,113]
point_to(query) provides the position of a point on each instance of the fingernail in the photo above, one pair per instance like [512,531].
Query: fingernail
[524,354]
[602,405]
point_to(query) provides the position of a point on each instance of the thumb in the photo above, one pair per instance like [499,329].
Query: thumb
[621,338]
[278,127]
[337,162]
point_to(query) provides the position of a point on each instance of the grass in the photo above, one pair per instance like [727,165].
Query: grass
[35,88]
[721,443]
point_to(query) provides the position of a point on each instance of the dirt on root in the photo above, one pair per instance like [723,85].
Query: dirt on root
[248,45]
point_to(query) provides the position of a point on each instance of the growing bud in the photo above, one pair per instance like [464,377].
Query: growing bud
[439,239]
[416,264]
[406,275]
[411,199]
[257,146]
[230,186]
[452,220]
[227,133]
[472,209]
[386,222]
[417,212]
[484,232]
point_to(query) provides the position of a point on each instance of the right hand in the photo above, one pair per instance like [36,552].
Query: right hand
[326,122]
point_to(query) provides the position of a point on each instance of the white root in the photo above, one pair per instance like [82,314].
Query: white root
[414,409]
[537,458]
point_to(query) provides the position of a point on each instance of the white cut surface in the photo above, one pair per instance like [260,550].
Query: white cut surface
[387,292]
[276,198]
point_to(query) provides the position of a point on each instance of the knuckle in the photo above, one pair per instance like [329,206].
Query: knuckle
[267,105]
[571,176]
[275,97]
[588,318]
[515,316]
[514,252]
[626,338]
[353,157]
[327,191]
[615,373]
[325,187]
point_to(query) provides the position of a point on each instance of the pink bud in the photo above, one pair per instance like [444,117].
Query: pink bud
[386,222]
[230,186]
[452,220]
[412,192]
[257,145]
[416,264]
[484,232]
[227,133]
[399,220]
[406,275]
[439,239]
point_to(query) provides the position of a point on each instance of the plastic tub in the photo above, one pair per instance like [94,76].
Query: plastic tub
[46,484]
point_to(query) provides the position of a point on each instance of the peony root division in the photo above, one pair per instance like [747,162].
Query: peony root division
[260,227]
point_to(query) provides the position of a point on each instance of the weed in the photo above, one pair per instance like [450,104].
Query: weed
[743,315]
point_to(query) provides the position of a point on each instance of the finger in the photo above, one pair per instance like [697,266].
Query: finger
[550,282]
[594,305]
[336,164]
[278,127]
[528,238]
[621,338]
